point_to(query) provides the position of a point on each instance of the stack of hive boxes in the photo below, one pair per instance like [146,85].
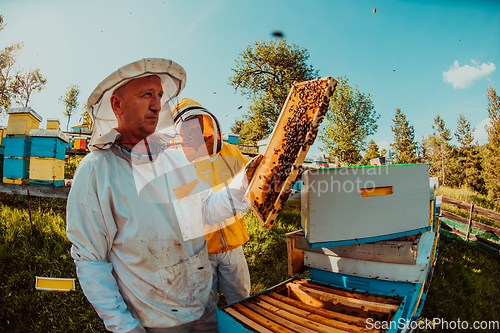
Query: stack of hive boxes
[48,149]
[18,144]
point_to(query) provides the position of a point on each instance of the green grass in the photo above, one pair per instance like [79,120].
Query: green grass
[465,285]
[38,248]
[266,251]
[468,196]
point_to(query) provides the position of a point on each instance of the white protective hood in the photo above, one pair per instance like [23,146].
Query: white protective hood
[173,79]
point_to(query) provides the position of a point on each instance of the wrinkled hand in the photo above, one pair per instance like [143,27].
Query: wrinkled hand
[251,166]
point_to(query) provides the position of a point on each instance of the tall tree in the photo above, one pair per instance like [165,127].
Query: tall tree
[404,145]
[492,149]
[351,118]
[465,136]
[70,101]
[8,58]
[443,135]
[264,73]
[371,153]
[26,83]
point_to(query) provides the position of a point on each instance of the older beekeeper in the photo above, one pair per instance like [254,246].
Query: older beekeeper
[136,210]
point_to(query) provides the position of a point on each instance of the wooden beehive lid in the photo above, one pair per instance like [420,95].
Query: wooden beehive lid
[24,110]
[51,133]
[293,134]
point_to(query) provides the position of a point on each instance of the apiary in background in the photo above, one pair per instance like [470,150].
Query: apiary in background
[293,134]
[47,157]
[352,205]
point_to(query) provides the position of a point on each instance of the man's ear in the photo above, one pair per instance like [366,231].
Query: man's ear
[116,104]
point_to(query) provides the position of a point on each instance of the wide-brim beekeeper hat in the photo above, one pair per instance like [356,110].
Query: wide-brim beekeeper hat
[173,80]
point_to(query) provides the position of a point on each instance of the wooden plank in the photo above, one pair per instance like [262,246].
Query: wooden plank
[475,224]
[36,191]
[249,313]
[356,295]
[294,318]
[295,257]
[351,302]
[309,315]
[293,134]
[478,210]
[277,319]
[247,321]
[397,252]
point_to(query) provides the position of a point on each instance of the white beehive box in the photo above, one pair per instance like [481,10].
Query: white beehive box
[351,205]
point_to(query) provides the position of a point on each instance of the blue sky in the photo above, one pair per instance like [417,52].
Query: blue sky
[425,57]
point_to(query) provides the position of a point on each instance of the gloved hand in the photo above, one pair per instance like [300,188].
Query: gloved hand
[251,166]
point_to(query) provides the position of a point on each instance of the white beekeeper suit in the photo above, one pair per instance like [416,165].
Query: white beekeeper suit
[136,220]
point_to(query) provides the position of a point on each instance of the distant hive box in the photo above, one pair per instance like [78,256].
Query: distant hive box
[53,124]
[47,157]
[80,144]
[3,133]
[22,120]
[352,205]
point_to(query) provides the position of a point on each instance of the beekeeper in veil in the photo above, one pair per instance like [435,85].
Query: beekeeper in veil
[136,210]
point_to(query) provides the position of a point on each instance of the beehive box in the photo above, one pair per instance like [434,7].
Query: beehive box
[18,146]
[299,305]
[293,134]
[352,205]
[16,170]
[80,144]
[53,124]
[22,120]
[46,171]
[49,143]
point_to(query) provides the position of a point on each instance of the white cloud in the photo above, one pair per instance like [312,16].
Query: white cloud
[464,77]
[480,133]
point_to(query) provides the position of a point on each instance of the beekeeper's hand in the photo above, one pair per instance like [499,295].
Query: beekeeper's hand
[251,166]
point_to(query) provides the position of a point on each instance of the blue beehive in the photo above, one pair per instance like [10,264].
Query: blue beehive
[17,159]
[17,147]
[48,143]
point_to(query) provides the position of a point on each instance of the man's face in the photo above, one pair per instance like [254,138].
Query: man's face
[139,104]
[192,132]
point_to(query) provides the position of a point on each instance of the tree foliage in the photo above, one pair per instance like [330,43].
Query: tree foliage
[8,58]
[265,72]
[351,118]
[492,148]
[70,101]
[465,137]
[437,149]
[404,145]
[371,153]
[26,83]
